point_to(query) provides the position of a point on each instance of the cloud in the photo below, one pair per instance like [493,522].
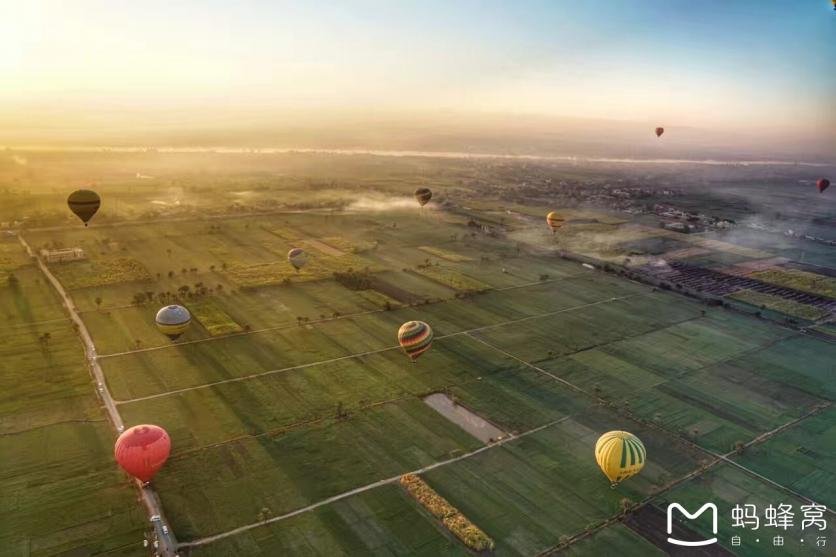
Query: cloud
[380,203]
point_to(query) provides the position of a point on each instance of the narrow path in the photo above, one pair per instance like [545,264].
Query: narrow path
[168,542]
[367,487]
[370,352]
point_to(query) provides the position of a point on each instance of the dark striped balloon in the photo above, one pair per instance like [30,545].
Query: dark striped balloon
[415,337]
[84,203]
[423,195]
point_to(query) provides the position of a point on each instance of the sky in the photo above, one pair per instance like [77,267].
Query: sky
[740,65]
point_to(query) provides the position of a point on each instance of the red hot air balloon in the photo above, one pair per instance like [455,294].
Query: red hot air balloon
[822,184]
[659,132]
[142,450]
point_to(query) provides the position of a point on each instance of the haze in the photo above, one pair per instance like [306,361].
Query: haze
[749,77]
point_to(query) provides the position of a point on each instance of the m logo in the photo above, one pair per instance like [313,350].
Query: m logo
[688,515]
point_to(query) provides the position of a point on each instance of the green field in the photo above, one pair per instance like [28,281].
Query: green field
[60,491]
[289,390]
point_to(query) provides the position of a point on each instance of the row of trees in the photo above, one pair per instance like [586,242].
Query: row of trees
[183,292]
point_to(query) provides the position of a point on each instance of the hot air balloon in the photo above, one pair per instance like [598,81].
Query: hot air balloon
[620,455]
[659,132]
[142,450]
[84,203]
[554,221]
[415,337]
[173,320]
[423,195]
[297,258]
[823,183]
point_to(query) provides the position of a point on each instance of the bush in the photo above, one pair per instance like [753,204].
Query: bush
[470,534]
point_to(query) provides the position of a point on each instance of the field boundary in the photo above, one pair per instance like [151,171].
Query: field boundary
[756,440]
[357,490]
[313,321]
[370,352]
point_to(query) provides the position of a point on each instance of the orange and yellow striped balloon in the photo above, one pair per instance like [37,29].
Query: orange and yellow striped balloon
[620,455]
[554,221]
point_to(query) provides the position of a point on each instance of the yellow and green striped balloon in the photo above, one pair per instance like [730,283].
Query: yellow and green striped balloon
[84,203]
[415,337]
[620,454]
[173,320]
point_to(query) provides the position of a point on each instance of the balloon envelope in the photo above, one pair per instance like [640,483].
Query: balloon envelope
[142,450]
[554,221]
[822,184]
[620,455]
[659,132]
[84,203]
[173,320]
[415,337]
[423,195]
[297,258]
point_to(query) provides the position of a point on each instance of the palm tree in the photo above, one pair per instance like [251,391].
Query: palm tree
[98,301]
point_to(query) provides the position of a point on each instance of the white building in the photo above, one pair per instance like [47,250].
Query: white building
[62,255]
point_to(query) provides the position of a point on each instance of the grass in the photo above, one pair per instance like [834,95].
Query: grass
[214,319]
[800,458]
[614,540]
[776,303]
[799,280]
[62,493]
[381,521]
[726,486]
[251,449]
[530,492]
[440,508]
[445,254]
[267,274]
[452,278]
[286,471]
[100,272]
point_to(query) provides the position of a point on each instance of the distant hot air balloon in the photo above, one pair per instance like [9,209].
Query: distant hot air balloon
[415,337]
[84,203]
[423,195]
[823,183]
[142,450]
[173,320]
[297,258]
[620,455]
[659,132]
[554,221]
